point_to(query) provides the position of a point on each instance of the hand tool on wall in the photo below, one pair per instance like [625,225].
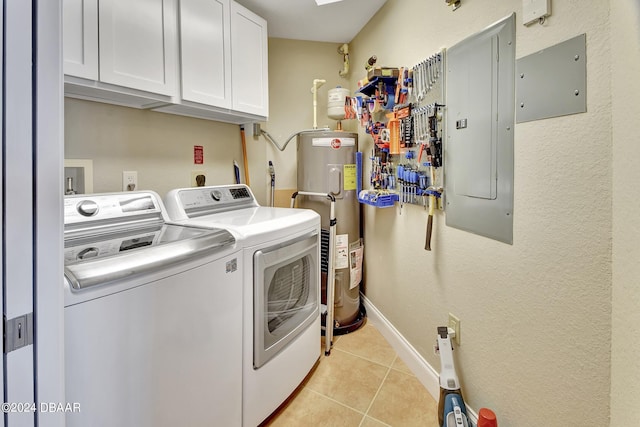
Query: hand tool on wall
[236,172]
[370,63]
[434,151]
[244,156]
[399,84]
[425,76]
[432,202]
[418,78]
[394,133]
[272,174]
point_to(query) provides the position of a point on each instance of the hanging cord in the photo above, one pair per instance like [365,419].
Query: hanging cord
[273,141]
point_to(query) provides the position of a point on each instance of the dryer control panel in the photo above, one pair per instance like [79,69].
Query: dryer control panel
[199,201]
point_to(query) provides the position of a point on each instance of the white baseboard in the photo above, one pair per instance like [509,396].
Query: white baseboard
[424,372]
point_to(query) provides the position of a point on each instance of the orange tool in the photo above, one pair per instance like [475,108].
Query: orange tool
[244,155]
[394,133]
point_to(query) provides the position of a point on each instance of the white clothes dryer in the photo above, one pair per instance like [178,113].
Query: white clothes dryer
[281,320]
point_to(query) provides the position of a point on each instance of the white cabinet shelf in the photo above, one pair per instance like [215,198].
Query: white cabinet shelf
[200,58]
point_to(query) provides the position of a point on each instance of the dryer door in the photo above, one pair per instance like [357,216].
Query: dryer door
[286,290]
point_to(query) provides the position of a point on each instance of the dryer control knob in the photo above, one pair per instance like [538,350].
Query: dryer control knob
[87,208]
[216,195]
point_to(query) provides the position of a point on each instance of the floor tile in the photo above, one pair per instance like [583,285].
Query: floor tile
[348,379]
[310,409]
[369,343]
[403,401]
[363,383]
[399,365]
[372,422]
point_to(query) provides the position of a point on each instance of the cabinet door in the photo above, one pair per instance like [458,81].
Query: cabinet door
[80,38]
[249,64]
[205,46]
[138,44]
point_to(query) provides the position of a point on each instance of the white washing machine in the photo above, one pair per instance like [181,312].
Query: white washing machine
[153,316]
[281,328]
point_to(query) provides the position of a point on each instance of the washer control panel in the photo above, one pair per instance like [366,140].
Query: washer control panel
[111,208]
[87,208]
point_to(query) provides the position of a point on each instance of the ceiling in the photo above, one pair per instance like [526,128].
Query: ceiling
[305,20]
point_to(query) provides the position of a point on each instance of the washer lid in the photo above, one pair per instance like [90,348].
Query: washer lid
[109,257]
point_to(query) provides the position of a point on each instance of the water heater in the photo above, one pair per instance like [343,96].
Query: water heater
[326,164]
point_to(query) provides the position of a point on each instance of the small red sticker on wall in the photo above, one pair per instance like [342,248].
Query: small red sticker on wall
[335,143]
[198,155]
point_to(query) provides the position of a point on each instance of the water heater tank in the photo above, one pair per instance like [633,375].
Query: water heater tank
[326,164]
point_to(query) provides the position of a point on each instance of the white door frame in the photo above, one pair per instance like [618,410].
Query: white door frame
[32,244]
[49,220]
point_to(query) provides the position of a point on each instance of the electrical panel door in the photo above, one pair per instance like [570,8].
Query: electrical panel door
[478,152]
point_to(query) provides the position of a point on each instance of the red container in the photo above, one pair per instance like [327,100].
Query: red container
[486,418]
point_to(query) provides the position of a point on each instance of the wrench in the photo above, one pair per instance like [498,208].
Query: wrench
[416,81]
[431,73]
[422,81]
[427,85]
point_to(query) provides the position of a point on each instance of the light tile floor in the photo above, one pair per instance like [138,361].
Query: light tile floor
[363,383]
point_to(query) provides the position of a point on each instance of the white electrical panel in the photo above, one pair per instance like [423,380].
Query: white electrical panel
[533,10]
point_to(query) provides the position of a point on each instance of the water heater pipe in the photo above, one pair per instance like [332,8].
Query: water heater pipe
[344,51]
[293,135]
[314,90]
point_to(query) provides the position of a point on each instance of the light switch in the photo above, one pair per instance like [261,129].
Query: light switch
[533,10]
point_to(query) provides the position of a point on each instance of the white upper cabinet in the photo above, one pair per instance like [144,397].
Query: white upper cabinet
[138,44]
[80,38]
[249,62]
[205,48]
[200,58]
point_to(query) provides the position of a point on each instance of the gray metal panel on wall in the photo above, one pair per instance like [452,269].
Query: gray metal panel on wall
[552,82]
[478,151]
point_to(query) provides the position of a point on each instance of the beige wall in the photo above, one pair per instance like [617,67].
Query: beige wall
[535,315]
[625,88]
[293,65]
[159,146]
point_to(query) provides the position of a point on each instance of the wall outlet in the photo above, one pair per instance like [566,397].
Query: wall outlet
[454,324]
[129,180]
